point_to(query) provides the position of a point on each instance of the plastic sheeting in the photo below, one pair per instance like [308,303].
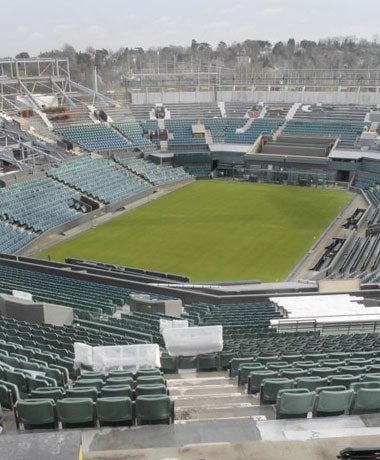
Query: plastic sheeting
[83,354]
[103,359]
[172,323]
[193,340]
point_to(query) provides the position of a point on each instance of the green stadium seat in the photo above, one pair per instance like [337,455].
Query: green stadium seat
[150,379]
[35,413]
[367,401]
[149,389]
[147,372]
[256,377]
[82,392]
[271,386]
[372,377]
[187,362]
[245,369]
[6,399]
[76,412]
[18,379]
[333,402]
[154,409]
[47,393]
[357,385]
[225,359]
[117,390]
[344,379]
[120,373]
[295,403]
[293,372]
[85,375]
[115,410]
[169,364]
[13,392]
[97,383]
[277,365]
[120,381]
[235,363]
[322,371]
[207,362]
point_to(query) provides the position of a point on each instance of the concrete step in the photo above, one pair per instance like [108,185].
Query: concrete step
[212,400]
[205,390]
[224,412]
[187,382]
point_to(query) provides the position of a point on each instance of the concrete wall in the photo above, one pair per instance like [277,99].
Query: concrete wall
[120,204]
[22,310]
[334,97]
[36,313]
[57,315]
[144,303]
[335,286]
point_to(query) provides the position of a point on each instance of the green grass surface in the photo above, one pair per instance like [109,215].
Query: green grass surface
[214,230]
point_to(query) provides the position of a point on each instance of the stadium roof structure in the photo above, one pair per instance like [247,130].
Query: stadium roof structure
[356,155]
[22,81]
[233,148]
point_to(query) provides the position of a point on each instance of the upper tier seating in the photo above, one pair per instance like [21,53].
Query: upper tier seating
[101,179]
[238,109]
[95,137]
[93,297]
[217,127]
[348,112]
[346,131]
[258,126]
[133,131]
[182,132]
[157,175]
[194,110]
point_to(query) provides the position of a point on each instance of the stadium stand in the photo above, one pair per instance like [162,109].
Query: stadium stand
[277,110]
[156,175]
[90,296]
[95,137]
[301,374]
[13,239]
[38,204]
[133,131]
[142,111]
[182,132]
[353,113]
[347,132]
[257,127]
[199,170]
[101,179]
[238,109]
[195,110]
[217,127]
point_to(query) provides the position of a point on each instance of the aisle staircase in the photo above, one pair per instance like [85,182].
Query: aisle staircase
[213,397]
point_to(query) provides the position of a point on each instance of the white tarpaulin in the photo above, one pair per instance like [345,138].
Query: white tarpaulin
[170,323]
[22,295]
[133,357]
[83,354]
[193,340]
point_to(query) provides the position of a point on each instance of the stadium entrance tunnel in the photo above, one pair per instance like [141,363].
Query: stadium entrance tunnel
[343,176]
[89,202]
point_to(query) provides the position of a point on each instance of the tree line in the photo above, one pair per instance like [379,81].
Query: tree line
[248,56]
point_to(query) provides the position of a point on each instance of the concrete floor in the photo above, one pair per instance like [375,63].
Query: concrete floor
[313,449]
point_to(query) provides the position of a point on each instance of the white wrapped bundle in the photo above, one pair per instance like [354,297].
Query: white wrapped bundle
[83,354]
[193,340]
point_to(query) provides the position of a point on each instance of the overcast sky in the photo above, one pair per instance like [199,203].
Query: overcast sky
[41,25]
